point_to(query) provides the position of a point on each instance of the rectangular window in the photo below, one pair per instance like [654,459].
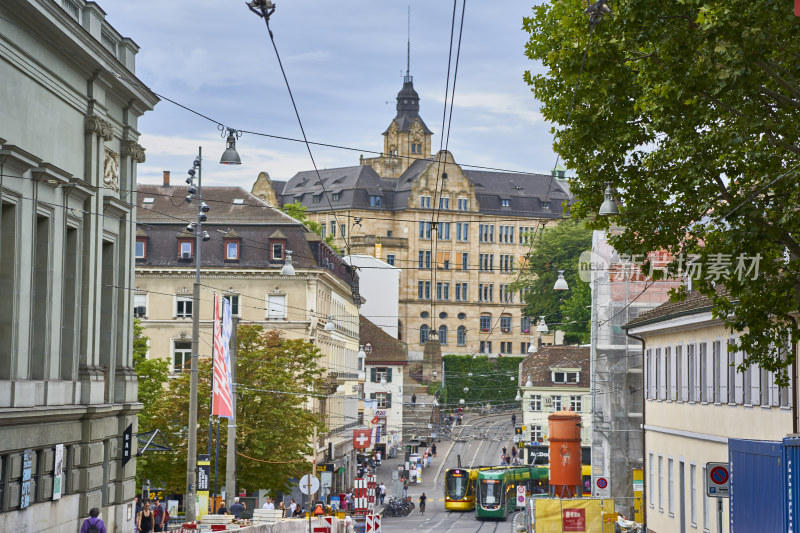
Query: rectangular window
[661,483]
[384,400]
[462,231]
[336,196]
[463,204]
[277,251]
[185,249]
[139,305]
[556,403]
[333,228]
[182,356]
[443,231]
[183,307]
[505,324]
[276,306]
[486,347]
[461,292]
[390,259]
[670,486]
[342,230]
[444,202]
[576,403]
[424,229]
[323,228]
[424,290]
[536,433]
[650,477]
[536,402]
[442,290]
[506,203]
[525,325]
[233,301]
[141,248]
[465,261]
[316,198]
[375,201]
[232,251]
[706,517]
[486,322]
[424,261]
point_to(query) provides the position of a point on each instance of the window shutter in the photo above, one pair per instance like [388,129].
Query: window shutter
[755,390]
[388,400]
[439,263]
[738,391]
[373,375]
[458,260]
[673,374]
[723,373]
[662,374]
[389,375]
[775,396]
[373,395]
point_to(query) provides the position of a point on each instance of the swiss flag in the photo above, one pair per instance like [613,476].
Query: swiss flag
[362,438]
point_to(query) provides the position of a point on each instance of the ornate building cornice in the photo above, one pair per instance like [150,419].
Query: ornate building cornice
[103,128]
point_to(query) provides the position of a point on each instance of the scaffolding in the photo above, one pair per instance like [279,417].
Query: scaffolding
[620,292]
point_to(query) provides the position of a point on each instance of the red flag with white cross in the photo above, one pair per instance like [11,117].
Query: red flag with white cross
[362,438]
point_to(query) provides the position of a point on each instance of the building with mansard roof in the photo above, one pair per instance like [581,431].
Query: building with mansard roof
[459,235]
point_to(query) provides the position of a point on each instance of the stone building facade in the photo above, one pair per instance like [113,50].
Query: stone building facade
[68,156]
[242,261]
[459,236]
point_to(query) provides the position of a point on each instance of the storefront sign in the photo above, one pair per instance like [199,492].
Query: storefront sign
[574,520]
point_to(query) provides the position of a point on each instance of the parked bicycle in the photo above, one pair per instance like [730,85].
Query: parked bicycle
[398,507]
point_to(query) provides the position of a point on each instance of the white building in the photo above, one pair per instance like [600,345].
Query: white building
[694,401]
[555,378]
[379,285]
[70,104]
[386,361]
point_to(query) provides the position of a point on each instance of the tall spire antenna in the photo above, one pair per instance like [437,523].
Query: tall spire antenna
[408,59]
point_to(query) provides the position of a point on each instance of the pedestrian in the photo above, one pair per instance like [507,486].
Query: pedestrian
[237,508]
[93,524]
[137,509]
[504,450]
[282,509]
[422,500]
[144,523]
[222,510]
[383,492]
[413,399]
[508,460]
[292,507]
[160,516]
[513,451]
[405,488]
[502,458]
[268,504]
[514,419]
[433,449]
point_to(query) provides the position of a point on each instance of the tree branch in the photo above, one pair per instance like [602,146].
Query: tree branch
[779,97]
[766,67]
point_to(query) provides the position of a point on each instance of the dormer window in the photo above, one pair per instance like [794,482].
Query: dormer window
[316,198]
[505,203]
[231,250]
[565,375]
[185,249]
[141,248]
[277,251]
[375,201]
[336,196]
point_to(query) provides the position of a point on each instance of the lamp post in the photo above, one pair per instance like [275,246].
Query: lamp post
[229,157]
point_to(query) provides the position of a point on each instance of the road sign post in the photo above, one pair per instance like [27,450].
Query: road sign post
[718,478]
[601,487]
[520,495]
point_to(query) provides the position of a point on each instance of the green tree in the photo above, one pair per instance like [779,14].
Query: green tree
[558,248]
[691,111]
[297,211]
[151,374]
[275,378]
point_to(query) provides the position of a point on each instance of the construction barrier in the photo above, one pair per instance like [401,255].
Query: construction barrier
[583,515]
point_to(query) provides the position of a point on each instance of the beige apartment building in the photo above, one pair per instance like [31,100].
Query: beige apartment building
[694,401]
[459,236]
[242,262]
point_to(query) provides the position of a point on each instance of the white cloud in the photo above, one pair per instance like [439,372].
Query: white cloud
[498,103]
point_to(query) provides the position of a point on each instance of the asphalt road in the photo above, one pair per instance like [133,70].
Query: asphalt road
[479,441]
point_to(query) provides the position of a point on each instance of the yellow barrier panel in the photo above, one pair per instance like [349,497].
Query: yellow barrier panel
[574,516]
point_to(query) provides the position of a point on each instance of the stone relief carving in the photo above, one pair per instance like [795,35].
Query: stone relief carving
[111,169]
[134,150]
[103,128]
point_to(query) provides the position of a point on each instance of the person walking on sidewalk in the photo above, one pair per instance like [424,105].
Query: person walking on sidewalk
[413,399]
[422,500]
[433,449]
[383,492]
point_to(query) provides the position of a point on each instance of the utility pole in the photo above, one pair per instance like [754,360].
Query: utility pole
[230,458]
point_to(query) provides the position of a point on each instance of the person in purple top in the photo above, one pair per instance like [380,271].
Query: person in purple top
[93,524]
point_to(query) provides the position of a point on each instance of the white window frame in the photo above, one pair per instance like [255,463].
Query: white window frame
[693,494]
[650,480]
[382,399]
[228,255]
[234,298]
[144,249]
[186,246]
[706,506]
[661,483]
[670,486]
[536,403]
[576,403]
[186,353]
[273,307]
[556,403]
[140,300]
[181,299]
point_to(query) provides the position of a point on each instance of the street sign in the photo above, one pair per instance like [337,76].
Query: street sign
[718,479]
[309,484]
[601,487]
[520,495]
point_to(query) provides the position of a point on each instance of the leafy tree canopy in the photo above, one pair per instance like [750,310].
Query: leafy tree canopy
[691,111]
[559,248]
[275,378]
[492,381]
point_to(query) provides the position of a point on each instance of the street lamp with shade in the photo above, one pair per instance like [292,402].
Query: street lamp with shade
[542,327]
[230,156]
[329,325]
[561,283]
[288,269]
[609,206]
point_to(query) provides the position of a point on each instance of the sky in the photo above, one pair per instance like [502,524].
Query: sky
[345,63]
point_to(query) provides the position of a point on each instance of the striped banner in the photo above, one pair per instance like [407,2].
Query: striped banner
[223,396]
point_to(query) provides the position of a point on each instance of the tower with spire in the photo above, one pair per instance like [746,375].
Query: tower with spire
[407,138]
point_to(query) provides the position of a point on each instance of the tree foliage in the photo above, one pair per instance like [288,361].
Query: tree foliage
[297,211]
[275,378]
[559,248]
[492,380]
[691,110]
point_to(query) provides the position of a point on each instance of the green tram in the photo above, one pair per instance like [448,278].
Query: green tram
[496,494]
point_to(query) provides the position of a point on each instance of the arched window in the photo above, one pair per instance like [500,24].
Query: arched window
[461,336]
[423,333]
[442,334]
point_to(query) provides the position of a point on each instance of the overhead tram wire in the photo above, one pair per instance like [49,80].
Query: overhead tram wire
[265,13]
[437,205]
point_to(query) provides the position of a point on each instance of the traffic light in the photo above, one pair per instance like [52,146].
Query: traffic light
[518,431]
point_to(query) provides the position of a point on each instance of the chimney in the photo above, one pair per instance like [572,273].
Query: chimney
[166,178]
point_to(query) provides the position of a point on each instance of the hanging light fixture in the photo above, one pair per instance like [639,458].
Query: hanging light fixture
[288,269]
[561,283]
[532,348]
[519,396]
[361,353]
[609,206]
[330,326]
[529,383]
[461,401]
[230,156]
[542,327]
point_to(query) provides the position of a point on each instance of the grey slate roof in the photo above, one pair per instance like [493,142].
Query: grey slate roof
[693,303]
[408,107]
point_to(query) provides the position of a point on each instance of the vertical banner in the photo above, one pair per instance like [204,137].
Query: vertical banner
[203,483]
[223,397]
[127,437]
[58,471]
[25,488]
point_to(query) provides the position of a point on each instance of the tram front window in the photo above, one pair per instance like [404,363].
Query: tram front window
[490,492]
[457,483]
